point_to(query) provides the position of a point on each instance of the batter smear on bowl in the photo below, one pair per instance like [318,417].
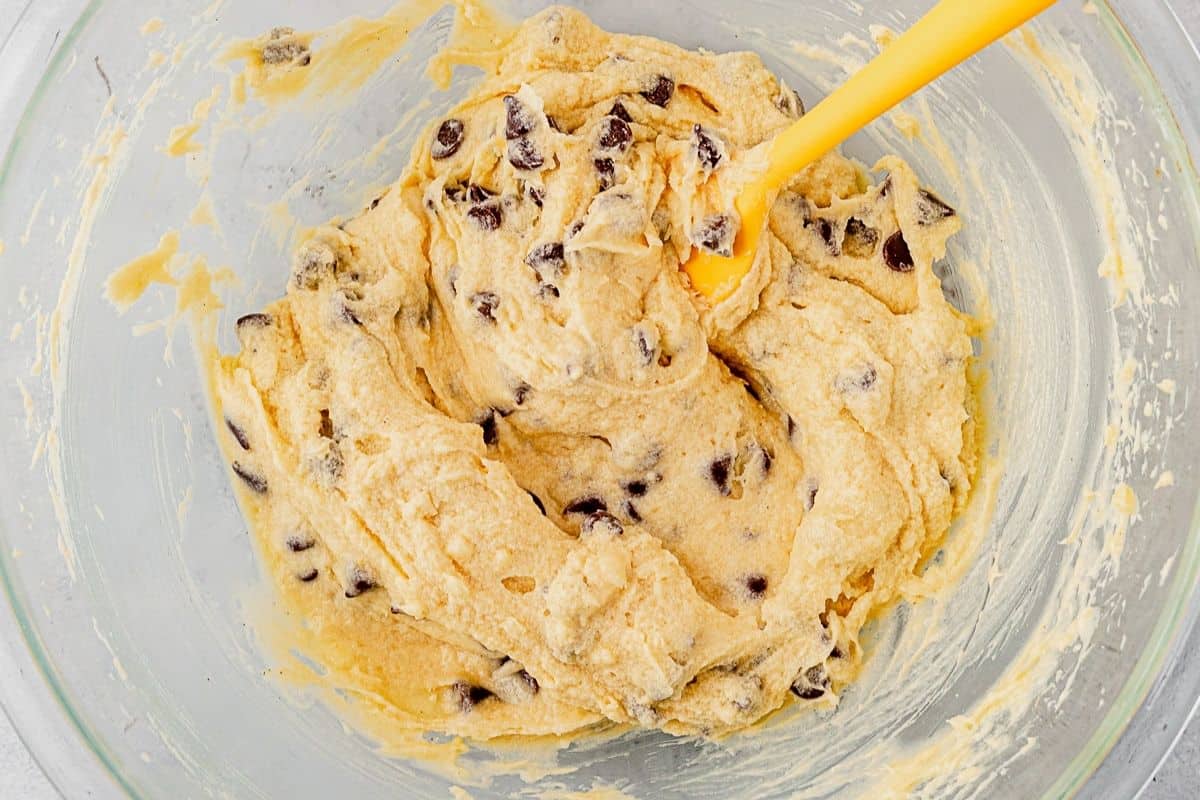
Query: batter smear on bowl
[525,480]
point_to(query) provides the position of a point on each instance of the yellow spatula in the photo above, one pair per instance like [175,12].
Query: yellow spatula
[950,33]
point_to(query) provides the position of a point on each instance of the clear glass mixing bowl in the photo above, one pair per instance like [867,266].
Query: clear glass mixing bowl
[131,658]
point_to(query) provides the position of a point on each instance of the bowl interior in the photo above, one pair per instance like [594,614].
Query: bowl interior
[137,586]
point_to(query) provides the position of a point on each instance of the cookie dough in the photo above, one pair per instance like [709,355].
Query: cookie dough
[517,478]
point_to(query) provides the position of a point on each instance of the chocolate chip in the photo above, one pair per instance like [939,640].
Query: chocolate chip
[791,427]
[606,171]
[255,480]
[524,154]
[636,488]
[466,696]
[859,239]
[825,229]
[536,195]
[619,111]
[807,692]
[810,493]
[255,321]
[767,461]
[575,228]
[645,349]
[547,259]
[326,428]
[588,504]
[360,582]
[530,681]
[487,422]
[518,120]
[885,186]
[448,139]
[715,234]
[521,393]
[548,290]
[931,208]
[615,134]
[485,305]
[537,501]
[790,102]
[486,217]
[473,192]
[719,473]
[896,253]
[298,544]
[708,149]
[756,585]
[308,576]
[238,434]
[375,203]
[601,522]
[836,652]
[660,91]
[811,684]
[631,511]
[553,123]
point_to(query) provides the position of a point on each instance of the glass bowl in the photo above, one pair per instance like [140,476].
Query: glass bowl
[136,647]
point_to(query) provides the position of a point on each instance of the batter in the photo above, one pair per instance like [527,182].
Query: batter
[517,478]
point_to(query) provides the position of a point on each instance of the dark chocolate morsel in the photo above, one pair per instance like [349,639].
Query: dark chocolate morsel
[485,305]
[448,139]
[467,696]
[601,522]
[238,433]
[896,253]
[588,504]
[254,479]
[518,121]
[359,583]
[719,472]
[660,91]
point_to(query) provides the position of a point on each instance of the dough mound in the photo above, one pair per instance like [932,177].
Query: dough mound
[516,477]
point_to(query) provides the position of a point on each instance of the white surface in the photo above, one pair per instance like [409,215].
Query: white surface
[21,779]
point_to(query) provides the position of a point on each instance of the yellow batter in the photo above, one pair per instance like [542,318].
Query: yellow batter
[517,478]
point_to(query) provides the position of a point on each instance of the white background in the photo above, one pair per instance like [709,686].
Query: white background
[20,778]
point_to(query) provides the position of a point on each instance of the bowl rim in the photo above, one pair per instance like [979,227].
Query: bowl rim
[1160,687]
[34,699]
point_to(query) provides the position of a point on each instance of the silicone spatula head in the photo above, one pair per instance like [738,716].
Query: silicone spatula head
[950,33]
